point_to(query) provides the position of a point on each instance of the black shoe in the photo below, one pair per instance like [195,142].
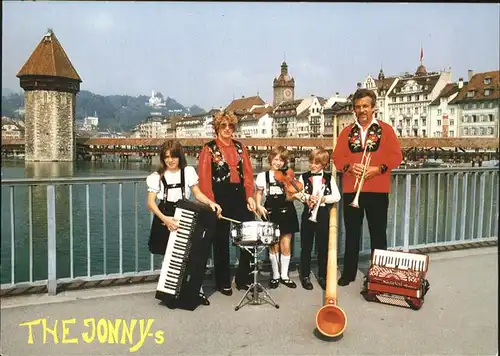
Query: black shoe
[344,281]
[274,283]
[306,283]
[203,299]
[288,282]
[226,291]
[322,283]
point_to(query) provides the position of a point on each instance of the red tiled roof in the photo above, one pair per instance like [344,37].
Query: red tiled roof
[50,59]
[448,90]
[244,104]
[478,86]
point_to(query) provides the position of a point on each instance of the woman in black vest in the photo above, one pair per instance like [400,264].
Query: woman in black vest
[226,176]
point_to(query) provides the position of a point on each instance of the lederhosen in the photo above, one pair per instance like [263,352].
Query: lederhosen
[310,231]
[232,199]
[160,233]
[281,211]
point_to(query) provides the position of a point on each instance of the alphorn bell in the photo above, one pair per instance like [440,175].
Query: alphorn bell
[331,320]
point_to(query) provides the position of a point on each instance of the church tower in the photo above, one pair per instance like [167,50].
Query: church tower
[283,86]
[50,84]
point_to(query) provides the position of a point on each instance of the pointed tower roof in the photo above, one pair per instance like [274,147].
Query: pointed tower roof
[49,59]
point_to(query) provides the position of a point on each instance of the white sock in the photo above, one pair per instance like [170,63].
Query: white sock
[285,261]
[273,257]
[201,289]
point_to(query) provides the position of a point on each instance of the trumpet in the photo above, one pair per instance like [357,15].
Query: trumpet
[314,211]
[365,161]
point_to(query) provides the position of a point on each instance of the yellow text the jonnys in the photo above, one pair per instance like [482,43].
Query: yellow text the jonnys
[118,331]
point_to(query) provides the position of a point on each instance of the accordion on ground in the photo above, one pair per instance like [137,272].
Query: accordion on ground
[186,255]
[397,278]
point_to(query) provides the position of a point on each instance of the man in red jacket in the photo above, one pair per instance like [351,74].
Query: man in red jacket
[366,136]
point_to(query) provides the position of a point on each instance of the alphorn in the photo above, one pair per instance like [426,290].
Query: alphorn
[331,320]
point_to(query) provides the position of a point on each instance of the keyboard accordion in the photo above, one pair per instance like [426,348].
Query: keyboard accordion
[186,256]
[397,278]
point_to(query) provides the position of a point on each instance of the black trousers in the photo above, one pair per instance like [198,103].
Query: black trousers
[308,232]
[232,199]
[375,205]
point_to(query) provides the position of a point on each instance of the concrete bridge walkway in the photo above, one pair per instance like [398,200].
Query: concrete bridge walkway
[459,317]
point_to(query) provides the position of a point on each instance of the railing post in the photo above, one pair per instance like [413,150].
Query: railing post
[406,235]
[51,240]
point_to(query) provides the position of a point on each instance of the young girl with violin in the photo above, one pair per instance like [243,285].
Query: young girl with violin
[279,209]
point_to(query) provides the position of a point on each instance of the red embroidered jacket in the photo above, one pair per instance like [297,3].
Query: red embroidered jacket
[385,153]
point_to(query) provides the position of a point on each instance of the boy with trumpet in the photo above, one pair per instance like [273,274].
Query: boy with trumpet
[366,152]
[321,191]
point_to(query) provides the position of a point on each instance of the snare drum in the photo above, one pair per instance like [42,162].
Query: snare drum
[255,233]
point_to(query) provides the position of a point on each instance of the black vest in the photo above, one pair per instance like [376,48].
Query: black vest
[308,186]
[220,168]
[274,201]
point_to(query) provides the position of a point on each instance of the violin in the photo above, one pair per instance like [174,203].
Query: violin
[292,185]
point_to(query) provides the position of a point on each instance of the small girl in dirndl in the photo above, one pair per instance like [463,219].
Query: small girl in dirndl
[279,211]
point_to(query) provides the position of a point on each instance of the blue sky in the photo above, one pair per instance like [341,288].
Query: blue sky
[204,53]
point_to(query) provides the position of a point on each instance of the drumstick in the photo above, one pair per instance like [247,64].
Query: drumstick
[228,219]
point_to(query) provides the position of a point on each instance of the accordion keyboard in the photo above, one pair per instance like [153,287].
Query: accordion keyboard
[400,260]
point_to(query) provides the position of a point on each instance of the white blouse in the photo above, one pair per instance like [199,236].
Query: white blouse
[174,194]
[260,182]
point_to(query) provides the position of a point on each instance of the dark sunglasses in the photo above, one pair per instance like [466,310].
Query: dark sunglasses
[226,125]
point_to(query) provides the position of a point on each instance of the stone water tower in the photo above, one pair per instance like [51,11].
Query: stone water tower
[50,84]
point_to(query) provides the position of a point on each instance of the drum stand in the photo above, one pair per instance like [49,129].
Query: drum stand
[255,287]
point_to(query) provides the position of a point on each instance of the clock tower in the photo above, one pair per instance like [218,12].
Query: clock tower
[283,86]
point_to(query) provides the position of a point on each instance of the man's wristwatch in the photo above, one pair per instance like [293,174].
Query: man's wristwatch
[382,168]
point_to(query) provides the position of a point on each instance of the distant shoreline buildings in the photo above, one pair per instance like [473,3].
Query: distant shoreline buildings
[422,104]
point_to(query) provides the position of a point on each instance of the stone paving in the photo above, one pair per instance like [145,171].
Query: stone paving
[459,317]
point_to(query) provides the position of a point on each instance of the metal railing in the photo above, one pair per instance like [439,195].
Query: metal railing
[428,207]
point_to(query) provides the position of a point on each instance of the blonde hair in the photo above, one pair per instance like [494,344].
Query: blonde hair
[278,151]
[319,155]
[221,116]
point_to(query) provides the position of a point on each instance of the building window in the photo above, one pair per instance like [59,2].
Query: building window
[452,122]
[466,131]
[393,100]
[482,105]
[466,106]
[470,93]
[452,133]
[474,118]
[490,130]
[417,97]
[439,112]
[474,106]
[424,122]
[439,122]
[486,92]
[416,110]
[400,98]
[425,97]
[491,117]
[408,98]
[487,80]
[452,111]
[482,131]
[490,105]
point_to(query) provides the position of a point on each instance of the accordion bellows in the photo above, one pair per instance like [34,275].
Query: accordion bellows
[397,278]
